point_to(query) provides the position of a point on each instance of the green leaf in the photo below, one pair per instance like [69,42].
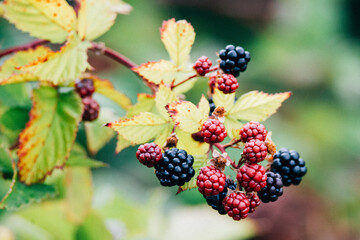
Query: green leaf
[232,127]
[122,143]
[96,134]
[199,162]
[164,96]
[178,38]
[93,228]
[95,18]
[5,160]
[9,72]
[187,116]
[15,118]
[48,137]
[22,195]
[14,95]
[51,20]
[106,88]
[79,158]
[257,106]
[143,128]
[145,103]
[62,66]
[224,100]
[79,192]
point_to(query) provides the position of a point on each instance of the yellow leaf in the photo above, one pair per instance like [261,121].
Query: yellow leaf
[257,106]
[178,38]
[187,116]
[120,6]
[122,143]
[204,107]
[62,66]
[143,128]
[191,146]
[46,19]
[157,72]
[232,127]
[106,88]
[164,96]
[79,192]
[9,72]
[224,100]
[145,103]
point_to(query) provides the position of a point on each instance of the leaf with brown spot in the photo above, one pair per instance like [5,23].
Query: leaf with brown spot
[46,141]
[52,20]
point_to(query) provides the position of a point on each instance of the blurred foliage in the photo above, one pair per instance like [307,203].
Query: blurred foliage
[308,48]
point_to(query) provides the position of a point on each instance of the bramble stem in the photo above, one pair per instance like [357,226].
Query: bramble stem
[222,150]
[184,81]
[23,47]
[232,143]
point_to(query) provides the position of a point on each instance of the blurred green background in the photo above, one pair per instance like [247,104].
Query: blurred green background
[311,48]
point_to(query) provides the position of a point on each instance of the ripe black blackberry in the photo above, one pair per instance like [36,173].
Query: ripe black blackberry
[234,59]
[175,168]
[212,105]
[91,109]
[289,165]
[273,188]
[216,201]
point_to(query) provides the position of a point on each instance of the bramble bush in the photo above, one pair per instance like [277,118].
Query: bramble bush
[179,137]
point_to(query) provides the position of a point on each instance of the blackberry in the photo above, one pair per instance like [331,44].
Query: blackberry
[213,131]
[273,188]
[202,65]
[237,205]
[212,105]
[149,154]
[253,130]
[234,59]
[251,177]
[175,167]
[255,151]
[91,109]
[227,83]
[85,87]
[211,181]
[216,201]
[254,201]
[289,165]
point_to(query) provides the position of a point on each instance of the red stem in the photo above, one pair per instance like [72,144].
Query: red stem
[184,81]
[231,143]
[23,47]
[222,150]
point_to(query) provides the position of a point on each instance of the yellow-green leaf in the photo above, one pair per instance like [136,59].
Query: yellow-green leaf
[10,74]
[143,128]
[191,146]
[95,18]
[96,134]
[120,6]
[46,141]
[199,162]
[1,9]
[204,107]
[62,66]
[106,88]
[232,127]
[79,158]
[145,103]
[187,116]
[164,96]
[257,106]
[122,143]
[224,100]
[178,38]
[79,192]
[52,20]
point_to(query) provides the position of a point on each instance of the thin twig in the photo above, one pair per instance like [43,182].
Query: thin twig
[23,47]
[184,81]
[232,143]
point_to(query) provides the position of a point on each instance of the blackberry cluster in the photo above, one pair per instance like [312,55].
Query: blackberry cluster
[289,165]
[273,188]
[91,109]
[234,59]
[216,201]
[175,167]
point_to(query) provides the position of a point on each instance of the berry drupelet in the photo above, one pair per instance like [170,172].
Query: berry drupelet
[175,167]
[234,59]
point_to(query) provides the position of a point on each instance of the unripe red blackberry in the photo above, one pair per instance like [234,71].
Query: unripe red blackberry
[252,177]
[85,87]
[237,205]
[255,151]
[175,167]
[253,130]
[234,59]
[227,83]
[211,181]
[202,65]
[91,109]
[254,201]
[213,131]
[149,154]
[273,188]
